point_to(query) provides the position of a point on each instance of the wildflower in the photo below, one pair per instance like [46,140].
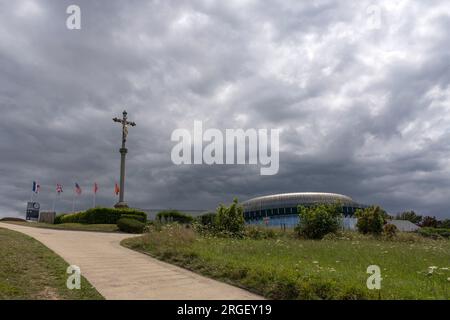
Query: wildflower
[315,261]
[431,270]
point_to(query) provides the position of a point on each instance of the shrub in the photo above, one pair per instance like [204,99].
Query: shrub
[135,217]
[230,220]
[317,221]
[58,219]
[430,222]
[434,233]
[173,216]
[370,220]
[207,219]
[444,224]
[13,219]
[390,230]
[258,232]
[101,216]
[130,225]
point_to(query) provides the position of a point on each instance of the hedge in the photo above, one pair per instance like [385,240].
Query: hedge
[173,216]
[135,217]
[130,225]
[100,216]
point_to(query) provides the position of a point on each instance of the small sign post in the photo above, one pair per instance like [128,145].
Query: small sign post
[33,210]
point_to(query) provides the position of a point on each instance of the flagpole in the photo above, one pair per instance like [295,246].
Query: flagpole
[94,198]
[73,202]
[54,201]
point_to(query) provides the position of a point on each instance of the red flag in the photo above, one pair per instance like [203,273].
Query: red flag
[116,189]
[95,187]
[77,188]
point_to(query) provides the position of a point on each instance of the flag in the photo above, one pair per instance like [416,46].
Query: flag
[59,188]
[116,189]
[77,188]
[95,187]
[36,187]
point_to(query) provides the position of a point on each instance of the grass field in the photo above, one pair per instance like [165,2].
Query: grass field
[29,270]
[70,226]
[290,268]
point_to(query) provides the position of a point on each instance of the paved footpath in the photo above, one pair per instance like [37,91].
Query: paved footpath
[120,273]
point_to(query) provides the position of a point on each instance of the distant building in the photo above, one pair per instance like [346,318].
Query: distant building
[282,205]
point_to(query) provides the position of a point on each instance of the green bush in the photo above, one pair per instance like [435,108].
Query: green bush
[258,232]
[173,216]
[370,220]
[101,216]
[430,222]
[390,230]
[135,217]
[207,219]
[58,219]
[230,220]
[13,219]
[434,233]
[317,221]
[130,225]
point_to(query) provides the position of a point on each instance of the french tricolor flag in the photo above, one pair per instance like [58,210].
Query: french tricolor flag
[36,187]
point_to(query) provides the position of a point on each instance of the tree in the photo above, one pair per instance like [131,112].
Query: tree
[430,222]
[370,220]
[230,220]
[410,216]
[317,221]
[444,224]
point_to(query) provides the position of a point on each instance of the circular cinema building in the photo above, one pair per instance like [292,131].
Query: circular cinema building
[286,204]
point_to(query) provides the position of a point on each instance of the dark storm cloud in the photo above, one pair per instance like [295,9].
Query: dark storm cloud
[359,91]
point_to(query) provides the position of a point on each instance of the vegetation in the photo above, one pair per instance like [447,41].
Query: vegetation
[139,218]
[207,219]
[130,225]
[435,233]
[285,267]
[370,220]
[173,216]
[430,222]
[230,220]
[390,230]
[71,226]
[7,219]
[409,216]
[29,270]
[99,216]
[317,221]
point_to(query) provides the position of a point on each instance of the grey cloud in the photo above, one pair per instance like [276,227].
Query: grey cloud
[363,112]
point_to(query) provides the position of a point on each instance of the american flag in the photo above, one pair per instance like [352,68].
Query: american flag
[77,188]
[59,188]
[95,187]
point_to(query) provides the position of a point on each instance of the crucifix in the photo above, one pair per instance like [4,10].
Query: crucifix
[123,151]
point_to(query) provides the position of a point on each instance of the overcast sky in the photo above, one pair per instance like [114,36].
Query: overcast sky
[360,93]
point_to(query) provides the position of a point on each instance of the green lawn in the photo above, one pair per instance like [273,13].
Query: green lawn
[69,226]
[29,270]
[289,268]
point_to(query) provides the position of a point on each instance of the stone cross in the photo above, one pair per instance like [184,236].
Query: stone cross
[123,151]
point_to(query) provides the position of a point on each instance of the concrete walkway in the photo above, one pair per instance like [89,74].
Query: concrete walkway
[120,273]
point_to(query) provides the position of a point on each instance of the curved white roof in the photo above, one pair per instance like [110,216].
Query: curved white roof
[295,199]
